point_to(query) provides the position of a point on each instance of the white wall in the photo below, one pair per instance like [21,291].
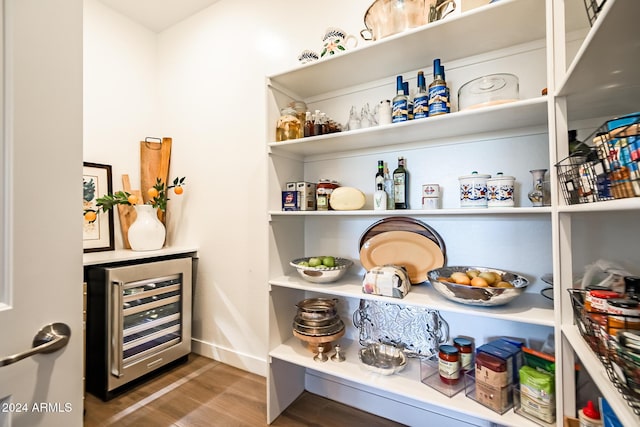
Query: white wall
[120,92]
[212,100]
[201,82]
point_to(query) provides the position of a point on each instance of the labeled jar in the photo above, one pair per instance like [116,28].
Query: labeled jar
[598,300]
[449,364]
[465,348]
[289,125]
[623,313]
[323,194]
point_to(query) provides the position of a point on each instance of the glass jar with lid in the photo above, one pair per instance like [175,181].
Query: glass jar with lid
[289,125]
[301,109]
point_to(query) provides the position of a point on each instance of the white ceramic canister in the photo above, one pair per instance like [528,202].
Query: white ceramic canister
[473,190]
[500,190]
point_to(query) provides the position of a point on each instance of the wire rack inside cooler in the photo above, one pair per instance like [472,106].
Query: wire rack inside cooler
[602,332]
[609,169]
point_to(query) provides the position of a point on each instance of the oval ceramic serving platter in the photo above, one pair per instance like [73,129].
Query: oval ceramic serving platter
[417,253]
[402,223]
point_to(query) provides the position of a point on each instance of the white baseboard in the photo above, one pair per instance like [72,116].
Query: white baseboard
[230,357]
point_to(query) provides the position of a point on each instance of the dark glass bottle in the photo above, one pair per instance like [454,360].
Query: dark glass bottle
[318,128]
[380,174]
[308,125]
[400,185]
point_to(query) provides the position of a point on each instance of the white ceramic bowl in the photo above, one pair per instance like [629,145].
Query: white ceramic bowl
[473,295]
[319,274]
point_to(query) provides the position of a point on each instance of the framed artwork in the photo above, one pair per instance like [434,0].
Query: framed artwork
[97,227]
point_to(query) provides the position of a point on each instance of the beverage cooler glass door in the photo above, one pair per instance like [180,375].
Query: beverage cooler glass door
[148,318]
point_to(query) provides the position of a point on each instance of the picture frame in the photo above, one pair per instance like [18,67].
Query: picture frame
[97,227]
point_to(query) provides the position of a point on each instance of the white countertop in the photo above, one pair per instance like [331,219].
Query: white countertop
[95,258]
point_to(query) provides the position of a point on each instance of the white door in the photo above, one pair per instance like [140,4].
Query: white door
[40,214]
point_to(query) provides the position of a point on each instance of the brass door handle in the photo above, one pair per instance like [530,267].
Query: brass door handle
[50,338]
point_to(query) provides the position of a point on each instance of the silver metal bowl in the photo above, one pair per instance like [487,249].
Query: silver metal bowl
[473,295]
[383,359]
[322,275]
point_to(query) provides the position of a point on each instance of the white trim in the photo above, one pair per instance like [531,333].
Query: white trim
[230,357]
[6,171]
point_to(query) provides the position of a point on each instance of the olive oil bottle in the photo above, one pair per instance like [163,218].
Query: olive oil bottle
[400,186]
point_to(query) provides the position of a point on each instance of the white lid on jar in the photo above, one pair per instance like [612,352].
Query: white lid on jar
[475,174]
[500,177]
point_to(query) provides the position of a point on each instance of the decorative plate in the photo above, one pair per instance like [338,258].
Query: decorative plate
[403,223]
[418,331]
[415,252]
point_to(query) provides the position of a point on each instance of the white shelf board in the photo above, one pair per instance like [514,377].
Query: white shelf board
[597,372]
[529,308]
[522,114]
[521,21]
[419,212]
[617,205]
[405,383]
[120,255]
[603,78]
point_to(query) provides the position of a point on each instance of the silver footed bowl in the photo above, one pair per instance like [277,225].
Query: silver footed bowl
[383,359]
[440,279]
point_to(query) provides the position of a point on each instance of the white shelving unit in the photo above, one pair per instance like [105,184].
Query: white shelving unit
[600,82]
[525,37]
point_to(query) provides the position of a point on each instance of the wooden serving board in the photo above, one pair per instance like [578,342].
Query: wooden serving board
[154,163]
[126,213]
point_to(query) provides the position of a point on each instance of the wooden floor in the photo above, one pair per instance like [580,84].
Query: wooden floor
[203,392]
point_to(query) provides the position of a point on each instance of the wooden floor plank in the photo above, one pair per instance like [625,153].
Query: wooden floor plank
[205,393]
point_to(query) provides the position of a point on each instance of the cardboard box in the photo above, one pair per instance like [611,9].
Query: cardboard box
[307,193]
[290,186]
[503,355]
[491,370]
[290,201]
[516,354]
[497,398]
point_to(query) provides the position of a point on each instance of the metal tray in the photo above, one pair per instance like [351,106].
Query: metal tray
[418,331]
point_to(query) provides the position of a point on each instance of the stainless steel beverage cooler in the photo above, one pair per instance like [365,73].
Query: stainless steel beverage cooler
[138,320]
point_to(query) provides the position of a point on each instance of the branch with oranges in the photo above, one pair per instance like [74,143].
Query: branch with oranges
[157,195]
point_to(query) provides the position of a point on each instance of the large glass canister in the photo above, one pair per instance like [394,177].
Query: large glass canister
[289,125]
[301,111]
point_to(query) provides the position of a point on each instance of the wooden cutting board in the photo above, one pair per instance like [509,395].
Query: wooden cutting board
[154,163]
[126,213]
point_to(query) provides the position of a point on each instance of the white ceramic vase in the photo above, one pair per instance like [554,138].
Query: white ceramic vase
[147,233]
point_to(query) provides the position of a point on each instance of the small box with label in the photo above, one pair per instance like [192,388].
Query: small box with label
[290,201]
[290,186]
[307,194]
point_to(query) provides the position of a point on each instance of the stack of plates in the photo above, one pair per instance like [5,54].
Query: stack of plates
[403,241]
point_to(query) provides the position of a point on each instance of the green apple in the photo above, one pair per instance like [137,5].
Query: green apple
[329,261]
[303,264]
[315,261]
